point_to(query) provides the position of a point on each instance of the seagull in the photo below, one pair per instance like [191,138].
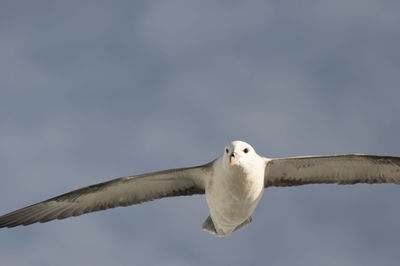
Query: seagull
[233,185]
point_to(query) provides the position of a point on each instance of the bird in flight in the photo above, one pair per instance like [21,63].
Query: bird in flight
[233,185]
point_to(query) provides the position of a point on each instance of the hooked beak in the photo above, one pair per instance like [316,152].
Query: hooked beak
[232,158]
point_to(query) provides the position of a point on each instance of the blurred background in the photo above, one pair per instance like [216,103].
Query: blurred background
[92,90]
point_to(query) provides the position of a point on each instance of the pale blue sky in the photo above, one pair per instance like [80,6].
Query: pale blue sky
[91,90]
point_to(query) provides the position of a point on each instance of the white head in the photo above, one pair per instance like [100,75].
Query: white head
[239,153]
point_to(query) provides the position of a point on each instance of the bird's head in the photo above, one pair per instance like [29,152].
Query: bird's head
[238,153]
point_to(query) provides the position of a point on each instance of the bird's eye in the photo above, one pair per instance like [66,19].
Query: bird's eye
[246,150]
[226,150]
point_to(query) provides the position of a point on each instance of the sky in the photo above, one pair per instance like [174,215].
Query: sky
[93,90]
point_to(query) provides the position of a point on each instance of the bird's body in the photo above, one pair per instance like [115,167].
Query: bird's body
[233,185]
[235,188]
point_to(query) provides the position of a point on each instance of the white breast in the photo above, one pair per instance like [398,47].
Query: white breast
[232,195]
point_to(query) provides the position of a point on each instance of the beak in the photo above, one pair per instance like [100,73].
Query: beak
[232,158]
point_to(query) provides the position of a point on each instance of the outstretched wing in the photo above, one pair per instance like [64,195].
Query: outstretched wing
[336,169]
[122,191]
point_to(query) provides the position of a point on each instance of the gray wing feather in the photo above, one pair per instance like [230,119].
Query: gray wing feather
[335,169]
[123,191]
